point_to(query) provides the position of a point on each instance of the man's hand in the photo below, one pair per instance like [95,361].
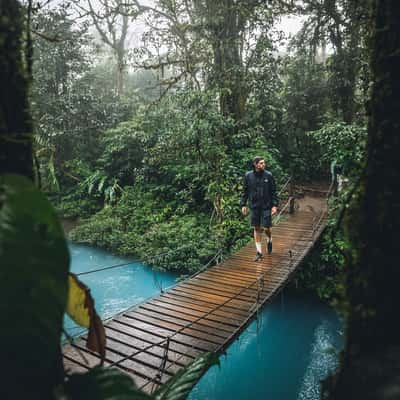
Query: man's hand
[244,210]
[274,210]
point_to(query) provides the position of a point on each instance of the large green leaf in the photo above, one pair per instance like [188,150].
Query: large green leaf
[178,387]
[33,289]
[105,384]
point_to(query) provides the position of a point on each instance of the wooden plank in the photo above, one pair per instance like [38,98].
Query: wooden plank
[204,313]
[200,299]
[156,354]
[181,322]
[175,353]
[142,363]
[228,277]
[137,369]
[230,302]
[154,340]
[163,333]
[234,281]
[218,312]
[213,316]
[173,327]
[239,279]
[82,357]
[238,295]
[72,357]
[230,290]
[220,298]
[229,310]
[71,366]
[164,312]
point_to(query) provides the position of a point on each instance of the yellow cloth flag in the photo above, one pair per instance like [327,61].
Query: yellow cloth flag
[80,308]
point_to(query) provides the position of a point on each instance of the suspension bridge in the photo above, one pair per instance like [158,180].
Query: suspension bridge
[206,312]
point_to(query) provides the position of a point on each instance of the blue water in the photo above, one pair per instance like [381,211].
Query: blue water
[283,356]
[117,289]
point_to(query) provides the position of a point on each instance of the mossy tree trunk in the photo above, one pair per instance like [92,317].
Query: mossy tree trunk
[15,119]
[371,359]
[226,22]
[31,364]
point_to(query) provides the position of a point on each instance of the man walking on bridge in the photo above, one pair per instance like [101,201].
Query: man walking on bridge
[260,190]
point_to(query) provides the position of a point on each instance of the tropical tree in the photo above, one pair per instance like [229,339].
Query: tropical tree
[35,259]
[370,358]
[111,19]
[211,46]
[71,103]
[342,26]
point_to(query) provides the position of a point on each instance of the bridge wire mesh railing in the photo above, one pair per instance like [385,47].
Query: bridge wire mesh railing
[250,311]
[217,258]
[254,306]
[161,255]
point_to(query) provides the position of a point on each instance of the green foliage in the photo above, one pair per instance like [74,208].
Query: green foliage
[324,270]
[71,105]
[343,143]
[76,201]
[102,185]
[179,387]
[33,299]
[168,178]
[100,383]
[305,99]
[35,264]
[124,149]
[187,185]
[112,384]
[183,243]
[142,226]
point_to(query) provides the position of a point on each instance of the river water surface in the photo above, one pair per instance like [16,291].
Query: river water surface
[282,356]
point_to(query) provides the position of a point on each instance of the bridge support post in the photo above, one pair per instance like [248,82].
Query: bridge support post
[291,198]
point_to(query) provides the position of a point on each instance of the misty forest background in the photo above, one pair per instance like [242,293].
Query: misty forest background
[147,116]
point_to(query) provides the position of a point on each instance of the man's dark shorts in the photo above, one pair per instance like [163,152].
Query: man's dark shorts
[260,217]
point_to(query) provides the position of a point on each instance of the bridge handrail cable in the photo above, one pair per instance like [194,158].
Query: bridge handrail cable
[260,285]
[191,323]
[155,257]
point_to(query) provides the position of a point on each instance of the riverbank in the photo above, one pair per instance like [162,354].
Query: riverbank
[69,224]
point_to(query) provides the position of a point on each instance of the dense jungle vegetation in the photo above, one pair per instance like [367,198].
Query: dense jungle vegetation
[144,137]
[146,143]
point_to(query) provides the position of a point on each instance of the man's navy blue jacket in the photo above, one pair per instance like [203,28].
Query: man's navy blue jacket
[260,189]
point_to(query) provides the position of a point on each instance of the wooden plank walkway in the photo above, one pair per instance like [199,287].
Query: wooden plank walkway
[155,339]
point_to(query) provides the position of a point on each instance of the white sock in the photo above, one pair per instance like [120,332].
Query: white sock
[259,247]
[269,239]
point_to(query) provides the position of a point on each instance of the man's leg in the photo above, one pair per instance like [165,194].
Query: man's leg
[267,223]
[257,239]
[268,234]
[255,220]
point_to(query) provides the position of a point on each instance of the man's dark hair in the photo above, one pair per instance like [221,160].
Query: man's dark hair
[256,160]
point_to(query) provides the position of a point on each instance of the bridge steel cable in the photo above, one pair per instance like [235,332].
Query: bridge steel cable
[129,263]
[161,254]
[259,281]
[206,266]
[213,310]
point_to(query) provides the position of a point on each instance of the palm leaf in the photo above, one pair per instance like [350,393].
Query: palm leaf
[178,387]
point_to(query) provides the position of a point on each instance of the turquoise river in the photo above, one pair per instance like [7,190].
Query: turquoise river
[281,356]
